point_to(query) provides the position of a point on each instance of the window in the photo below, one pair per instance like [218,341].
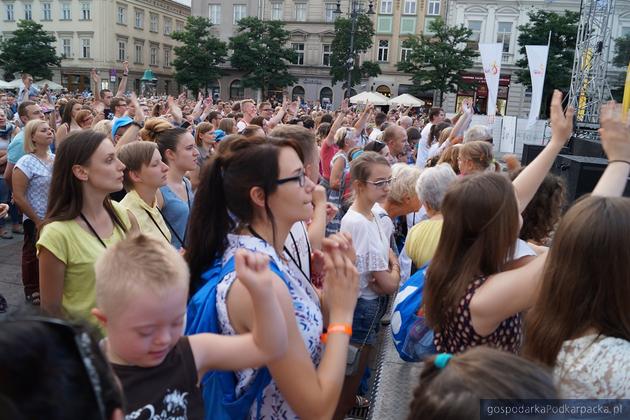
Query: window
[410,7]
[121,15]
[330,12]
[167,57]
[504,35]
[139,21]
[46,11]
[433,7]
[297,92]
[85,11]
[383,50]
[326,97]
[65,11]
[139,54]
[10,12]
[240,11]
[155,22]
[214,14]
[179,26]
[299,49]
[276,11]
[405,54]
[28,11]
[168,26]
[387,6]
[122,50]
[475,27]
[66,47]
[154,56]
[300,12]
[326,54]
[85,48]
[236,90]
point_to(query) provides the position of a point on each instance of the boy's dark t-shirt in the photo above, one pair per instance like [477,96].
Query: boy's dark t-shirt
[166,391]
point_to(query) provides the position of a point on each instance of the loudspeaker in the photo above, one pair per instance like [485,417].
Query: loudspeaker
[581,174]
[530,151]
[586,147]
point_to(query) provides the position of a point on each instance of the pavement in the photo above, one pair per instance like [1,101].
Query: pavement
[11,271]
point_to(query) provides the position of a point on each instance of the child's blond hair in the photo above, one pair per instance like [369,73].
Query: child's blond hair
[138,263]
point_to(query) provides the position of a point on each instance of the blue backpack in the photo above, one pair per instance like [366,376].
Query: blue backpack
[412,338]
[219,387]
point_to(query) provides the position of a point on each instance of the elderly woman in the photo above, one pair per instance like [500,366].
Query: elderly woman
[423,238]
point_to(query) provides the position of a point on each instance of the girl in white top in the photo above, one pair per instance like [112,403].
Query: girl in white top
[580,325]
[379,271]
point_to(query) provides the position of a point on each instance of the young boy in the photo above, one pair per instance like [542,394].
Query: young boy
[141,294]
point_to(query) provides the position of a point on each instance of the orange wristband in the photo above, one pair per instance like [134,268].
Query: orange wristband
[337,328]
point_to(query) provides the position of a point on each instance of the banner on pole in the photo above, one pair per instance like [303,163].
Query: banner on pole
[537,59]
[491,62]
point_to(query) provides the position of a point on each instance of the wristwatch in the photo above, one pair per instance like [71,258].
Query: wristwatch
[138,124]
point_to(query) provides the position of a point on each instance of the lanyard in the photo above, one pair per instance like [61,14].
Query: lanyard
[94,231]
[298,262]
[157,226]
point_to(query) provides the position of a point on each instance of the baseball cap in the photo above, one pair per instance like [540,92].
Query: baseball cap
[218,135]
[119,123]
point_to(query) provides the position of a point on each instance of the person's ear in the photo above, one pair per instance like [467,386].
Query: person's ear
[170,155]
[100,316]
[257,195]
[135,176]
[80,172]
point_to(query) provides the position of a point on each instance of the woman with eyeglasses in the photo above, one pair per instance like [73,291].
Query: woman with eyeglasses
[250,196]
[379,271]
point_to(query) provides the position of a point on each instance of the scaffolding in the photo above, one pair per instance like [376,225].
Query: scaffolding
[589,87]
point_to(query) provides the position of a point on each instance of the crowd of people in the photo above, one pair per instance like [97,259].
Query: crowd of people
[186,258]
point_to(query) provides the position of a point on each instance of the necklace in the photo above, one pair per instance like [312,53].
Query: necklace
[46,166]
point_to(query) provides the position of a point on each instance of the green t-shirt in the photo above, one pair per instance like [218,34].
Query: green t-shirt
[79,249]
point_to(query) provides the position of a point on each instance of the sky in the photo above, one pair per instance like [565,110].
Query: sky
[186,2]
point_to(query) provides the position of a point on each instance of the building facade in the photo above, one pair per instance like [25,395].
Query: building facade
[102,34]
[396,21]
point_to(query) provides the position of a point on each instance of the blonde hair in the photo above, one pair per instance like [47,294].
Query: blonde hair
[405,178]
[105,127]
[479,152]
[138,264]
[202,128]
[29,132]
[153,127]
[134,156]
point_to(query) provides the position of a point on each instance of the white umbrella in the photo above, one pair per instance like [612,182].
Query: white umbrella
[51,85]
[4,85]
[371,97]
[16,84]
[407,100]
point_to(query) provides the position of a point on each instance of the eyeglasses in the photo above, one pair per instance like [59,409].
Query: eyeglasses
[266,110]
[83,343]
[383,183]
[300,178]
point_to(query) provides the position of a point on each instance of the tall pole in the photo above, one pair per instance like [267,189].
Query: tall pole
[350,63]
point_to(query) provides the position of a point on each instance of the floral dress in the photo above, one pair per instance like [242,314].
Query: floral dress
[308,315]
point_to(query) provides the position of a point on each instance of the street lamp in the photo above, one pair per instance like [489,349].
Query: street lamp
[355,10]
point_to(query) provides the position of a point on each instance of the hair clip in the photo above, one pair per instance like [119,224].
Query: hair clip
[441,360]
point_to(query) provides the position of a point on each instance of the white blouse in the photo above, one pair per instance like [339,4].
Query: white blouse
[594,367]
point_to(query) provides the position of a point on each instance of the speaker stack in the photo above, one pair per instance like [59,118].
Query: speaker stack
[581,165]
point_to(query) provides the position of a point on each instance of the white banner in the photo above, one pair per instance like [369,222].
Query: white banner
[537,58]
[491,62]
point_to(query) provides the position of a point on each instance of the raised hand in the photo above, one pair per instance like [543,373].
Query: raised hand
[561,122]
[614,132]
[252,269]
[341,284]
[344,105]
[4,210]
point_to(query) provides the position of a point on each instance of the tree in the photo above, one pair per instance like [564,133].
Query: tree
[341,54]
[436,62]
[197,60]
[563,30]
[260,51]
[29,50]
[622,51]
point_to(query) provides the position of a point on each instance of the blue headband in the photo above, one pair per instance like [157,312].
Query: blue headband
[357,154]
[442,359]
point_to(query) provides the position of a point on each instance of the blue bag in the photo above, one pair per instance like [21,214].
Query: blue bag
[219,387]
[412,338]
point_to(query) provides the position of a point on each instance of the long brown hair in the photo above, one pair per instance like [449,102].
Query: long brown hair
[478,235]
[66,118]
[454,392]
[585,280]
[66,190]
[224,188]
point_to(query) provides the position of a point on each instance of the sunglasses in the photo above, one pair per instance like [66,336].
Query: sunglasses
[83,344]
[300,178]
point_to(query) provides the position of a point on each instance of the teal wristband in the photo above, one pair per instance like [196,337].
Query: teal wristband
[442,359]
